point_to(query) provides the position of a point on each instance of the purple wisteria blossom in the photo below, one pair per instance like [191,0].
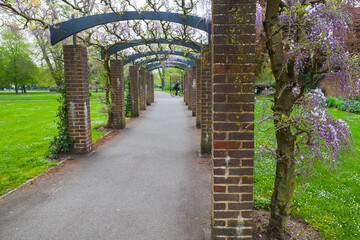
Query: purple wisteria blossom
[319,134]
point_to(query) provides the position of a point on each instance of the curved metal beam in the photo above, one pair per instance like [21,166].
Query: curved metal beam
[188,62]
[174,66]
[65,29]
[124,45]
[136,56]
[170,66]
[150,66]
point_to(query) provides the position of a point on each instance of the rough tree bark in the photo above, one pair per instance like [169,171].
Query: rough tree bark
[107,89]
[284,185]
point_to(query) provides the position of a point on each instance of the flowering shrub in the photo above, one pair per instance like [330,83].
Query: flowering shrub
[319,135]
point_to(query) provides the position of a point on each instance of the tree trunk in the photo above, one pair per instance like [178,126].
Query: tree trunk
[281,200]
[24,88]
[16,89]
[58,79]
[284,185]
[107,89]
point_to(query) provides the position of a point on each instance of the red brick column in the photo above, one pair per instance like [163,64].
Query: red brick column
[185,87]
[117,93]
[189,88]
[198,93]
[77,97]
[233,51]
[152,87]
[193,91]
[142,89]
[148,88]
[134,90]
[206,100]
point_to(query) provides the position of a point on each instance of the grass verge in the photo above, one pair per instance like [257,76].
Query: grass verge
[26,129]
[329,200]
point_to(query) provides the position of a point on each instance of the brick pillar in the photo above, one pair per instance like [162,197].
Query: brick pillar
[193,91]
[189,88]
[134,90]
[206,100]
[198,93]
[142,89]
[233,50]
[148,88]
[185,86]
[152,87]
[117,93]
[77,97]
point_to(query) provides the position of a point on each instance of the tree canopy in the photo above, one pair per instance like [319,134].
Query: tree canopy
[17,66]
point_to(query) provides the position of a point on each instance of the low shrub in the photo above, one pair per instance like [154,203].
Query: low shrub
[330,102]
[337,103]
[352,106]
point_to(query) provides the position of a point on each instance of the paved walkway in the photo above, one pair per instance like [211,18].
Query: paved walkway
[146,183]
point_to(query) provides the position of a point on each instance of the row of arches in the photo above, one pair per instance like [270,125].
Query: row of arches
[223,91]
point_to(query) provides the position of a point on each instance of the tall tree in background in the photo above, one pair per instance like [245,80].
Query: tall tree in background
[51,55]
[18,69]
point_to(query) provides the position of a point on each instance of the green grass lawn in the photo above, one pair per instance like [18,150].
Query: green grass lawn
[26,129]
[39,95]
[330,198]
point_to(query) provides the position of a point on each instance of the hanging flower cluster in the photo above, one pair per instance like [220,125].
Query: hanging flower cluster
[319,135]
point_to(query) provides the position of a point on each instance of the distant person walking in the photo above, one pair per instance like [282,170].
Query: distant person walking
[177,87]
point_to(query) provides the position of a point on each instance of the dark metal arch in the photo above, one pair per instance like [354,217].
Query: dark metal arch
[188,62]
[151,66]
[136,56]
[171,66]
[124,45]
[65,29]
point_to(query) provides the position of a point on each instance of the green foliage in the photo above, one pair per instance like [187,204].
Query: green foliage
[330,102]
[17,66]
[266,77]
[127,104]
[352,106]
[62,142]
[337,103]
[45,78]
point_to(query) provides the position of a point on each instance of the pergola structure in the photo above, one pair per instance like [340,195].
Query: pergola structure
[157,65]
[165,60]
[132,58]
[133,43]
[219,89]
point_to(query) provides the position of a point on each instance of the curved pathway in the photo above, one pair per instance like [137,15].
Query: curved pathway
[146,183]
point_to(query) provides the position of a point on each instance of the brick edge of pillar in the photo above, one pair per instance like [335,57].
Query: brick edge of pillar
[134,90]
[206,101]
[117,93]
[198,93]
[233,133]
[77,97]
[193,91]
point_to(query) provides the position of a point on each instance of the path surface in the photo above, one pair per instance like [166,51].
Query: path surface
[146,183]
